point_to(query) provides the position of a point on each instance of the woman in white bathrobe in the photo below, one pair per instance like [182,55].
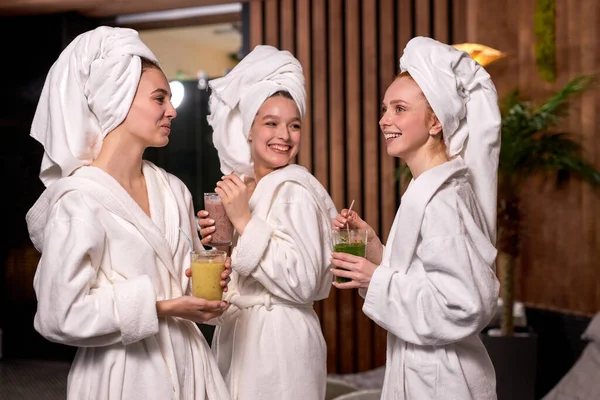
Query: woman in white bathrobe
[269,344]
[115,231]
[433,285]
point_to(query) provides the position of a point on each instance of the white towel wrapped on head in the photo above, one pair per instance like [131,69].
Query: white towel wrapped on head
[87,93]
[236,98]
[463,97]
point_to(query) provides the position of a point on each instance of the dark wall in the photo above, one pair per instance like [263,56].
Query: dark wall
[30,45]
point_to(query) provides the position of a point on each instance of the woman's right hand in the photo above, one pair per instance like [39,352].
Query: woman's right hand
[193,308]
[353,220]
[207,226]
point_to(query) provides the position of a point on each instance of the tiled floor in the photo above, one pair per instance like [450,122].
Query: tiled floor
[33,380]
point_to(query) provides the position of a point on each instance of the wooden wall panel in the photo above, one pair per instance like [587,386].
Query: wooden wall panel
[288,26]
[304,55]
[441,20]
[340,300]
[362,328]
[272,28]
[388,187]
[388,68]
[256,23]
[459,23]
[422,18]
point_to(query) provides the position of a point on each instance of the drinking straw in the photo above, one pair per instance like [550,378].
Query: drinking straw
[188,239]
[347,214]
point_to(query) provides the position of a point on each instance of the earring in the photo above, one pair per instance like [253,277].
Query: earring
[431,133]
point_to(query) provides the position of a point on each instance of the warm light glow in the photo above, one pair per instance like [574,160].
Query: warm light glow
[484,55]
[177,92]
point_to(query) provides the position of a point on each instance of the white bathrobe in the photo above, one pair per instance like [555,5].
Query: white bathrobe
[104,265]
[269,345]
[435,290]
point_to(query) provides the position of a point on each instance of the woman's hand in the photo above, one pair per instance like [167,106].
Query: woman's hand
[352,220]
[207,226]
[234,195]
[359,269]
[192,308]
[225,275]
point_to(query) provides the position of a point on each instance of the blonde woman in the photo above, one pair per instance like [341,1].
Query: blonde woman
[433,286]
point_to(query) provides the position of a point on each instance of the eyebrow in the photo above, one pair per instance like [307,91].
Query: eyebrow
[163,91]
[393,102]
[277,117]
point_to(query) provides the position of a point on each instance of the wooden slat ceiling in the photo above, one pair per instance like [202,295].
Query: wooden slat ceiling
[98,8]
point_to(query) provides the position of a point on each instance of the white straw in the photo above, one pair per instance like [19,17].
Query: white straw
[347,214]
[188,239]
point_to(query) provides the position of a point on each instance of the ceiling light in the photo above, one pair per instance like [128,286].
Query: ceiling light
[179,13]
[484,55]
[177,93]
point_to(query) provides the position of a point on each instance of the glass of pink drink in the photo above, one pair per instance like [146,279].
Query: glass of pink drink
[223,233]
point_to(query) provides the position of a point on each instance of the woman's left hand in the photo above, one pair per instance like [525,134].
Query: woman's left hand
[234,195]
[225,275]
[359,269]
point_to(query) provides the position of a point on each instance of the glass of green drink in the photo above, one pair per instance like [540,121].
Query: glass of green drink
[350,241]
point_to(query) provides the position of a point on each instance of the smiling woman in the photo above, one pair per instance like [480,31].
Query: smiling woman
[282,244]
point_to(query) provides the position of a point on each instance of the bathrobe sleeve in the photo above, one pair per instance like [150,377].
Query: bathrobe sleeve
[288,253]
[73,311]
[454,293]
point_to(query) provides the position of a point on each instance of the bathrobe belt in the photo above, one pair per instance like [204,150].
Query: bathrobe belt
[267,300]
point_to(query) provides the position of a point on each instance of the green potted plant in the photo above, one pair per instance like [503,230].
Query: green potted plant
[529,146]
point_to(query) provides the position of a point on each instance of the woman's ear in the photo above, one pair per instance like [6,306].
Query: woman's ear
[436,126]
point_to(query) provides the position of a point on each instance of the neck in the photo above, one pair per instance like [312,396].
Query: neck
[260,173]
[123,162]
[420,163]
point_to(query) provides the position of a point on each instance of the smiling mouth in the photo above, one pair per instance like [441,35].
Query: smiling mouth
[391,135]
[280,147]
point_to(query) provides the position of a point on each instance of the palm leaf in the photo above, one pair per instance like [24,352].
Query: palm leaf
[526,144]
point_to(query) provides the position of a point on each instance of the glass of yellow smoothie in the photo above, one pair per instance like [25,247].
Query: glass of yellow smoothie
[207,267]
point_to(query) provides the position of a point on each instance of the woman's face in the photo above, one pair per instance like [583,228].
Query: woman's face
[406,119]
[275,135]
[150,115]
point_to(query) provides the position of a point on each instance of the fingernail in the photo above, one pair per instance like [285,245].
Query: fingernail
[211,221]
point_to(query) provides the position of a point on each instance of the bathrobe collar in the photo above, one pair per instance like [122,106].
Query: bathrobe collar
[107,191]
[402,242]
